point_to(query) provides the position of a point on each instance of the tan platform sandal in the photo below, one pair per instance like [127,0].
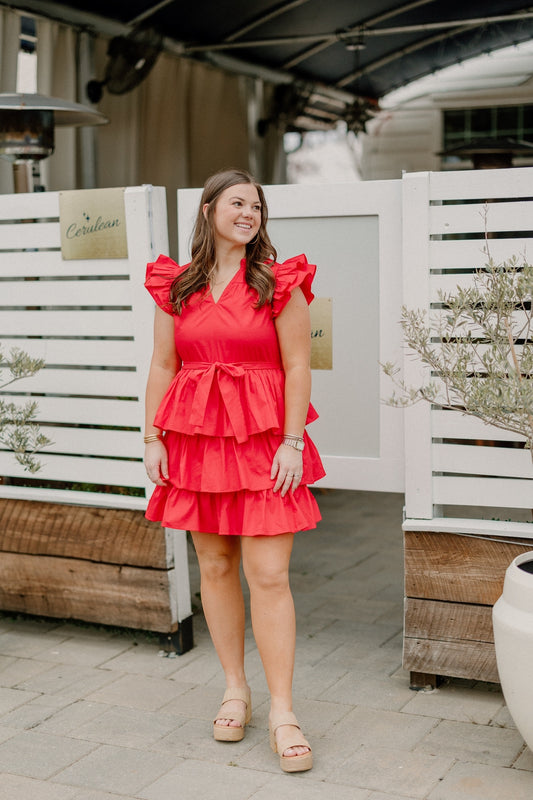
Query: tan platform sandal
[292,739]
[233,733]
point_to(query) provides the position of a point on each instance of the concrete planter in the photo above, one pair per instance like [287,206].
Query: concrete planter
[513,640]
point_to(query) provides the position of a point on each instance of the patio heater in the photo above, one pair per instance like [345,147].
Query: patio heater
[27,124]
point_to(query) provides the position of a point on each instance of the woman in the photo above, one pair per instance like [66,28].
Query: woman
[226,405]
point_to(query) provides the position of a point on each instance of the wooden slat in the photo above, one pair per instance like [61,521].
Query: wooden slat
[80,470]
[471,218]
[51,264]
[30,235]
[29,205]
[480,184]
[126,413]
[67,323]
[65,293]
[73,497]
[83,352]
[110,594]
[472,660]
[88,441]
[459,569]
[498,461]
[434,619]
[454,425]
[470,253]
[109,535]
[493,492]
[103,383]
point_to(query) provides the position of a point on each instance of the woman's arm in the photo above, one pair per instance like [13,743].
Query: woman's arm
[293,328]
[163,367]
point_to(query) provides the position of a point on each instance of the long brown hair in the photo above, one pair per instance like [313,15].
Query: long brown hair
[260,253]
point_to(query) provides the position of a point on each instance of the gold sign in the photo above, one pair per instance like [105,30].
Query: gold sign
[93,224]
[321,333]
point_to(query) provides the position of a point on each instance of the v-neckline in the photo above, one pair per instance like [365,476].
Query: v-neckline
[221,295]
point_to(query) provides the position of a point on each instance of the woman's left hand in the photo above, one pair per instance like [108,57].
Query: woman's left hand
[287,469]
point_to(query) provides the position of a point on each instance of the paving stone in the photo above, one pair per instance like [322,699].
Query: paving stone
[205,780]
[96,795]
[6,733]
[17,787]
[122,770]
[466,781]
[68,719]
[38,756]
[312,681]
[458,703]
[127,727]
[27,641]
[88,652]
[397,772]
[28,716]
[144,660]
[194,739]
[68,681]
[13,698]
[524,760]
[383,796]
[503,719]
[204,668]
[468,742]
[294,787]
[20,670]
[376,728]
[139,691]
[200,702]
[371,691]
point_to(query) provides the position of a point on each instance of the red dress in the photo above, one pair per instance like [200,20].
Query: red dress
[223,413]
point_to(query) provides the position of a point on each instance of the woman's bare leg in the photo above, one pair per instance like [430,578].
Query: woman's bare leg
[266,566]
[223,604]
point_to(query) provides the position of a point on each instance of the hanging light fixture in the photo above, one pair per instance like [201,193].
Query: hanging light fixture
[27,124]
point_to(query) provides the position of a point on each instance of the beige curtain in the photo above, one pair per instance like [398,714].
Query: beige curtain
[9,49]
[57,77]
[185,121]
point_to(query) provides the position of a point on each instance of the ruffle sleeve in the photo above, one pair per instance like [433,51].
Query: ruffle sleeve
[294,272]
[159,277]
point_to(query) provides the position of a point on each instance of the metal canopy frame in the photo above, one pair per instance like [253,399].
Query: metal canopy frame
[339,51]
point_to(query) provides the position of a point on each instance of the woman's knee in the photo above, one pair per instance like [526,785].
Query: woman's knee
[267,578]
[218,560]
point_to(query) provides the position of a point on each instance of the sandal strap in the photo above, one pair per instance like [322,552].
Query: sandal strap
[235,694]
[285,718]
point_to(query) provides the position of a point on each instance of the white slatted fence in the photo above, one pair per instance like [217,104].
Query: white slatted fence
[91,321]
[454,461]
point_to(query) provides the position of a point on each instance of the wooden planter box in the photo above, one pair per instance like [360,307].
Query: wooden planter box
[101,565]
[451,583]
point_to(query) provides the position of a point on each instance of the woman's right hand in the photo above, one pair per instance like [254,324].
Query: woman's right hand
[156,462]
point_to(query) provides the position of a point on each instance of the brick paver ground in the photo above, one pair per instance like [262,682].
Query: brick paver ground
[91,713]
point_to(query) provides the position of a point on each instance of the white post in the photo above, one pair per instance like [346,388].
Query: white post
[418,463]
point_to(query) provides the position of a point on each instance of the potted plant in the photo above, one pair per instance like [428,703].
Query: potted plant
[18,431]
[478,348]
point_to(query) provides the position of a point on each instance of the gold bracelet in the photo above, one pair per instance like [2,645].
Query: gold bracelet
[292,436]
[153,437]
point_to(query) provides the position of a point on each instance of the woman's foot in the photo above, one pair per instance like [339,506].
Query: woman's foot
[234,713]
[287,739]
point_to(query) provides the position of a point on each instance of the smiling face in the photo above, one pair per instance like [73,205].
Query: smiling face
[237,215]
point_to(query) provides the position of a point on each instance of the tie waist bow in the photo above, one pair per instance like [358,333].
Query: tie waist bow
[225,375]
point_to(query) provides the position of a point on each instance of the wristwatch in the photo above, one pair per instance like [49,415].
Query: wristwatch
[298,444]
